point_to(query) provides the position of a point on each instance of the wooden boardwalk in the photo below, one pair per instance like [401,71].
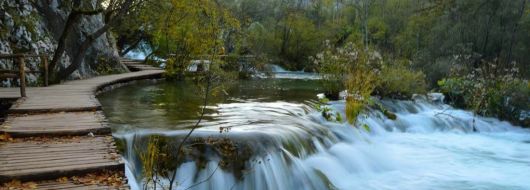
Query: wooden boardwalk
[56,124]
[58,131]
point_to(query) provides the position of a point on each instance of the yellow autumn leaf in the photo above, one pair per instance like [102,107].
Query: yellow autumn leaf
[62,180]
[30,185]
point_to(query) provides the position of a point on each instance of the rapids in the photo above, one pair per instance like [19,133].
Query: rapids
[429,146]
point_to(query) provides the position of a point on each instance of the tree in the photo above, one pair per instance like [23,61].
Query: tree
[115,11]
[71,20]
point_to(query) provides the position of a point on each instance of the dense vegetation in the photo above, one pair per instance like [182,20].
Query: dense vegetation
[431,34]
[397,47]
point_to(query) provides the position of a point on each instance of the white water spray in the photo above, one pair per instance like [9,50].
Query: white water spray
[428,146]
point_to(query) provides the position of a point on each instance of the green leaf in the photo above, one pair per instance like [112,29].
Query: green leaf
[366,127]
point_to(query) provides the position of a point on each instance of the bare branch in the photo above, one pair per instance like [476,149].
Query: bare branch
[205,180]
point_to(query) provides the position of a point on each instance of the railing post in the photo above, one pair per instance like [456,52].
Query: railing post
[45,59]
[22,78]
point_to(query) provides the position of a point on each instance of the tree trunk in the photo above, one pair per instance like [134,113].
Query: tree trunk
[61,44]
[71,20]
[80,55]
[514,32]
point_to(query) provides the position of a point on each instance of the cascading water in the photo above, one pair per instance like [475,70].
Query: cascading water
[281,73]
[429,146]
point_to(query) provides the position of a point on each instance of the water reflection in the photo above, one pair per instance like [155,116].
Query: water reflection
[174,105]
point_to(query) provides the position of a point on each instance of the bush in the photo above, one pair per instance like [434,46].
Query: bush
[177,66]
[362,73]
[398,81]
[333,65]
[352,68]
[504,99]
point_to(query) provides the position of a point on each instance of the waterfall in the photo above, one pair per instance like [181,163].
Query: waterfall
[281,73]
[430,145]
[277,69]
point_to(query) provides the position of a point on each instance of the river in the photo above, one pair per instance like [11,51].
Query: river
[283,142]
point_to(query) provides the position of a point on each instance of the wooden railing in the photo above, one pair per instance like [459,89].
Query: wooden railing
[21,72]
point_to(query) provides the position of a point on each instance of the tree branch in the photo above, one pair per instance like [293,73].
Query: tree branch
[205,180]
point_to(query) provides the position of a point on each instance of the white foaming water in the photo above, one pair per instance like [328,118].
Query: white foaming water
[429,146]
[281,73]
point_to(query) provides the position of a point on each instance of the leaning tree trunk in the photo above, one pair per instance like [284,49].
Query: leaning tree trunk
[61,44]
[87,43]
[73,17]
[80,55]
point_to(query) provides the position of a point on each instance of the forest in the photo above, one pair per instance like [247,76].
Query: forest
[464,48]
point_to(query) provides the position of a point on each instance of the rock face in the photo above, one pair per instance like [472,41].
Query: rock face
[33,27]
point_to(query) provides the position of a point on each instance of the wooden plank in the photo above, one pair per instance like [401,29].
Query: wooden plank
[70,183]
[137,65]
[8,76]
[63,159]
[55,124]
[73,186]
[58,171]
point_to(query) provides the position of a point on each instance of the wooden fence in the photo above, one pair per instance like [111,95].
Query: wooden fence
[21,72]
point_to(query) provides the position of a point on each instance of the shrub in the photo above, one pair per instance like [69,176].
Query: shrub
[360,84]
[333,65]
[398,81]
[501,95]
[352,68]
[362,73]
[176,67]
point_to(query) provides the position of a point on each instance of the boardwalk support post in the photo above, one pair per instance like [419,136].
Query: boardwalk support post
[45,60]
[22,78]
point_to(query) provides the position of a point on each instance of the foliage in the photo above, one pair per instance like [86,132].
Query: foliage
[489,92]
[326,111]
[27,21]
[150,158]
[333,64]
[360,85]
[400,81]
[182,31]
[363,73]
[428,33]
[104,66]
[354,68]
[161,156]
[366,127]
[300,39]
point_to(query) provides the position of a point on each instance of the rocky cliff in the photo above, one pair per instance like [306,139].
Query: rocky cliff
[34,27]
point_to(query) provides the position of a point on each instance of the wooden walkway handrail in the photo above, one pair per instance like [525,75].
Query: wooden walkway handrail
[22,71]
[9,56]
